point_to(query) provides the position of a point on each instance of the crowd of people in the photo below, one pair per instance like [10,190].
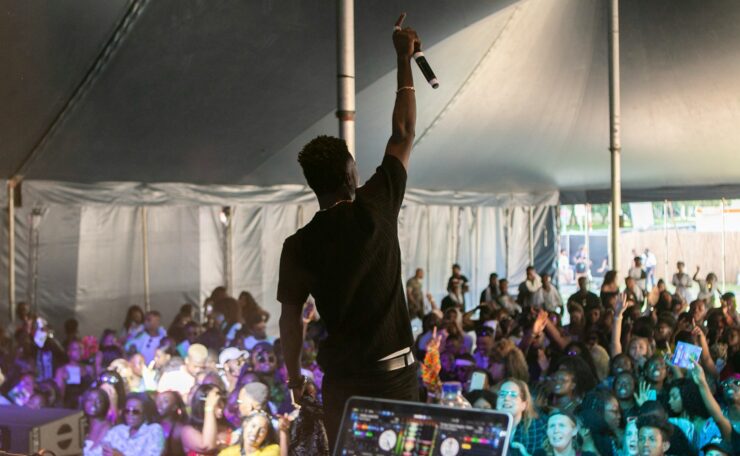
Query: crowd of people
[193,388]
[602,384]
[606,382]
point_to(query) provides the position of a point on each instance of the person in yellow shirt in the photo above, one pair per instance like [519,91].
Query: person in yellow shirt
[258,438]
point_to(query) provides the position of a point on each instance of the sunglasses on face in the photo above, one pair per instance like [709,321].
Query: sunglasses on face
[263,357]
[132,411]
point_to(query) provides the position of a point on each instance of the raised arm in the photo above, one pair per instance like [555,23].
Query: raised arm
[205,441]
[700,339]
[616,347]
[553,333]
[404,111]
[697,375]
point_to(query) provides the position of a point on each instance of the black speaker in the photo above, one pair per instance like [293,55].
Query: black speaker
[27,431]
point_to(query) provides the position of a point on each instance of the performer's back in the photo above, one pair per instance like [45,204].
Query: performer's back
[348,259]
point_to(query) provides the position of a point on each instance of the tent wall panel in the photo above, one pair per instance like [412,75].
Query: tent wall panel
[174,236]
[517,246]
[210,247]
[247,254]
[91,261]
[278,223]
[545,239]
[413,237]
[110,275]
[21,258]
[59,244]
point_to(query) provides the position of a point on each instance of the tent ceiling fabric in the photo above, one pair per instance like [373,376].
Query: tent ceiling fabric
[227,92]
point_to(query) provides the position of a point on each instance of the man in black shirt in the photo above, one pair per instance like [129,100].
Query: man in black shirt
[583,296]
[348,258]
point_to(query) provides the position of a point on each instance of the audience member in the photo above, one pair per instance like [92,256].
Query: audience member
[603,377]
[139,434]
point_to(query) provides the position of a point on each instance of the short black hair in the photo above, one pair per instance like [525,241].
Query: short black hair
[324,162]
[656,422]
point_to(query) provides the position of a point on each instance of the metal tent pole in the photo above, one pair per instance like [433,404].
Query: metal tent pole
[614,129]
[11,250]
[145,247]
[531,235]
[665,238]
[229,251]
[587,241]
[346,72]
[724,252]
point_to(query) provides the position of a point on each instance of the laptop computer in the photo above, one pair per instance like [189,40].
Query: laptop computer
[385,427]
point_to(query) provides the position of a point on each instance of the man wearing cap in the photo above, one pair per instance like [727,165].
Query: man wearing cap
[348,258]
[230,363]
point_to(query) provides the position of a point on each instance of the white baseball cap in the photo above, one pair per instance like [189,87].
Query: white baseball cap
[230,354]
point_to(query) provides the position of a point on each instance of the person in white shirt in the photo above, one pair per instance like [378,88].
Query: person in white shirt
[707,288]
[639,274]
[182,379]
[147,340]
[138,435]
[529,287]
[651,262]
[505,300]
[548,297]
[682,282]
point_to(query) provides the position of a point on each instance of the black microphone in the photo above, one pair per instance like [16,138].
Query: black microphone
[426,70]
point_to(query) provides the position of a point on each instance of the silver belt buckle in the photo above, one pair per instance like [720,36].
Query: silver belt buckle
[402,361]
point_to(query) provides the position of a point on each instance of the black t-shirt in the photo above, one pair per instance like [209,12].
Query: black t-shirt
[349,260]
[584,299]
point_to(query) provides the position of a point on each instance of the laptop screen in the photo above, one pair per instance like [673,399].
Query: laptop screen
[383,427]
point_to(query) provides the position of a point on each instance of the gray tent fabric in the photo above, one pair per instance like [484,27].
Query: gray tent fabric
[205,104]
[227,93]
[89,259]
[545,239]
[40,193]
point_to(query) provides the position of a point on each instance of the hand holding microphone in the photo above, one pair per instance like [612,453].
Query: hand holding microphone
[408,45]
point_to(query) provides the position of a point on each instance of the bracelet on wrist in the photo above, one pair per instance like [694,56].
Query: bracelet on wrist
[411,88]
[208,409]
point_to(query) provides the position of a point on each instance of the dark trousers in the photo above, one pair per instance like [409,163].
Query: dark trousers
[400,384]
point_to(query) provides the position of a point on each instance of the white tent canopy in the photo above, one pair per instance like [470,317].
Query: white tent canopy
[191,105]
[226,94]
